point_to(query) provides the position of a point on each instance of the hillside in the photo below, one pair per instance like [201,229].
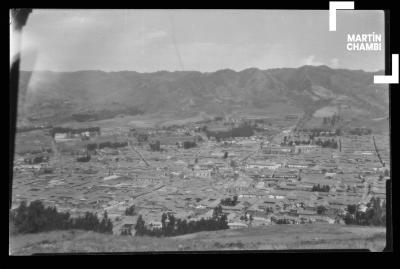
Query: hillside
[276,237]
[56,96]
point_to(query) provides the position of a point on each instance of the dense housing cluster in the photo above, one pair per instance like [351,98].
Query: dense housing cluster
[257,170]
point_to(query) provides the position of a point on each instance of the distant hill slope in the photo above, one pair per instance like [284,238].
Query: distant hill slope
[57,95]
[275,237]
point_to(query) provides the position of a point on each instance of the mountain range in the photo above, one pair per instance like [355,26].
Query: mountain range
[56,96]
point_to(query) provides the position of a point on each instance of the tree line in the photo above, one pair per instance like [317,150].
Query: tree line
[229,201]
[329,143]
[107,144]
[284,221]
[171,226]
[321,188]
[315,132]
[331,120]
[35,217]
[245,130]
[360,131]
[286,142]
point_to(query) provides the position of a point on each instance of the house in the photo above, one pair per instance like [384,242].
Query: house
[181,163]
[305,148]
[60,136]
[269,201]
[379,169]
[277,197]
[261,220]
[263,165]
[330,175]
[155,224]
[126,228]
[272,166]
[297,165]
[325,219]
[237,207]
[201,173]
[260,185]
[256,208]
[306,213]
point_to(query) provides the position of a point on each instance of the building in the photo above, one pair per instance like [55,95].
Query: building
[237,225]
[126,228]
[305,148]
[155,224]
[330,175]
[263,165]
[276,150]
[201,173]
[60,136]
[297,165]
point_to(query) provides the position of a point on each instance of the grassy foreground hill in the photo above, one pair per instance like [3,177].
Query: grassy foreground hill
[276,237]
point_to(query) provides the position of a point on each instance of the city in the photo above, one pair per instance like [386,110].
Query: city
[272,181]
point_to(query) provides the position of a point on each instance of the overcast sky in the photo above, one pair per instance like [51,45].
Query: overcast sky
[203,40]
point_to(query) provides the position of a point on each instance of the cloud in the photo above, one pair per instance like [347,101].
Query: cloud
[144,39]
[310,60]
[335,63]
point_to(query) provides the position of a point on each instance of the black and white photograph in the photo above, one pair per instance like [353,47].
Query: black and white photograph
[199,130]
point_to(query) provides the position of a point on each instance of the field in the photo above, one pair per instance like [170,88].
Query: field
[275,237]
[327,111]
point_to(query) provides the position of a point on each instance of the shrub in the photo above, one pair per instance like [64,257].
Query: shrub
[189,144]
[375,214]
[155,146]
[130,211]
[321,210]
[229,201]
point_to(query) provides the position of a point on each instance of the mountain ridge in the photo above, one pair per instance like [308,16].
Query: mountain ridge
[382,71]
[58,95]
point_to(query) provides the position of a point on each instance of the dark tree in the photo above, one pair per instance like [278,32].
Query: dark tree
[321,210]
[155,146]
[189,144]
[130,211]
[37,218]
[140,226]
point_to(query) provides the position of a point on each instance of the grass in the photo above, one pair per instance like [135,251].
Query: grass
[275,237]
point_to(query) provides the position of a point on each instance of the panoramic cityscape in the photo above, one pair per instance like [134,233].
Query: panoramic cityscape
[302,151]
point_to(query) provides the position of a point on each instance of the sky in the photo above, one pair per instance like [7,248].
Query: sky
[201,40]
